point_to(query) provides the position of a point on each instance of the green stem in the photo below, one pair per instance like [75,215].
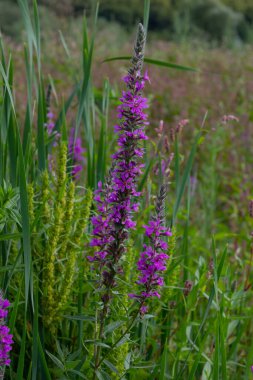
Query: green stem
[100,335]
[121,337]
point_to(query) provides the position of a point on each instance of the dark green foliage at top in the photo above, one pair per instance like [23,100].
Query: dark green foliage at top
[129,12]
[10,19]
[214,20]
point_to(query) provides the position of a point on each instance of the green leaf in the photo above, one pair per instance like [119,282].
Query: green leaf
[35,335]
[146,14]
[43,361]
[113,326]
[14,236]
[97,343]
[41,130]
[80,318]
[78,373]
[14,311]
[25,222]
[6,83]
[56,361]
[145,175]
[111,366]
[102,375]
[21,357]
[123,340]
[186,175]
[153,62]
[164,363]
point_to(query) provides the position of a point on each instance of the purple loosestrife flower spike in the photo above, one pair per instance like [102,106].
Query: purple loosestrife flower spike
[50,123]
[76,151]
[153,259]
[116,202]
[5,336]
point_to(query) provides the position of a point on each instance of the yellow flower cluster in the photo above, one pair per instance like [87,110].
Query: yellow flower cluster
[61,216]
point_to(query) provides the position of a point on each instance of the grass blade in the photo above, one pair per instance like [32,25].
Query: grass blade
[146,14]
[186,175]
[155,62]
[25,221]
[41,130]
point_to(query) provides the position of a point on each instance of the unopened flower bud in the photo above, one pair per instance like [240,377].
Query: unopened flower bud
[187,287]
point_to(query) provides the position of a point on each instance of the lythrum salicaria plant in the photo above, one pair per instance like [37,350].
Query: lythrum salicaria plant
[116,204]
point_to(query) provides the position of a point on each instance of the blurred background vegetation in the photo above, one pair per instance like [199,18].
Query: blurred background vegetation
[215,21]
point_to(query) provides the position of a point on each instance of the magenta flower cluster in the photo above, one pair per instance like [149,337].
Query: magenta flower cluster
[76,152]
[153,259]
[5,336]
[116,203]
[50,123]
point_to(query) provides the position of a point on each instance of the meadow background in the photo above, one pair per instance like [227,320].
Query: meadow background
[201,328]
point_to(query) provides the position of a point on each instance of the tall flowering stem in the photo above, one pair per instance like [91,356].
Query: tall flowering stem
[153,259]
[116,203]
[5,336]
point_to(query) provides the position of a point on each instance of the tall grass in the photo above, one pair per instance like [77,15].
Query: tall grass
[200,328]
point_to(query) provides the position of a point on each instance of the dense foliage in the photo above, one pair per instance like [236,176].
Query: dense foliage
[218,21]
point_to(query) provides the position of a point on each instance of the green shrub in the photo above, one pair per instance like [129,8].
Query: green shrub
[63,7]
[239,6]
[10,18]
[217,20]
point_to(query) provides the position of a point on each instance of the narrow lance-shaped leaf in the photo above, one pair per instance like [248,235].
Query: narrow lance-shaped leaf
[41,130]
[25,220]
[155,62]
[185,175]
[146,14]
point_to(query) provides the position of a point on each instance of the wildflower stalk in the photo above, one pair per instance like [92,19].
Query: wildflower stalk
[115,203]
[54,234]
[153,259]
[72,249]
[68,245]
[68,217]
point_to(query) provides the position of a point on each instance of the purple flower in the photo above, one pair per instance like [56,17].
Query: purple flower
[116,202]
[76,151]
[153,259]
[227,118]
[50,123]
[5,336]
